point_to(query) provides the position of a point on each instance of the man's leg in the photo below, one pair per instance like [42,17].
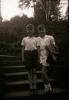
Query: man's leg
[34,66]
[30,79]
[34,78]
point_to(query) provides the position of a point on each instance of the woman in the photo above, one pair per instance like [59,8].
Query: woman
[45,44]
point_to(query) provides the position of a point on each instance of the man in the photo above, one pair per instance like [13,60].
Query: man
[30,54]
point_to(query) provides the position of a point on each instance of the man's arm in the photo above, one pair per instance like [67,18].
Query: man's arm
[22,53]
[22,45]
[38,48]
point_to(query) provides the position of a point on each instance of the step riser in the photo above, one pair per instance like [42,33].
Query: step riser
[7,57]
[12,88]
[14,70]
[8,63]
[16,78]
[23,87]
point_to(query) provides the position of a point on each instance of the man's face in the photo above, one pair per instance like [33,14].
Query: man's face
[30,30]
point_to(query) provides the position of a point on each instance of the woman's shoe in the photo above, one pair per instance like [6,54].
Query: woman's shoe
[48,88]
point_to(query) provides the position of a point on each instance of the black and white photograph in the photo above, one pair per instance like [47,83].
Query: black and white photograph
[34,50]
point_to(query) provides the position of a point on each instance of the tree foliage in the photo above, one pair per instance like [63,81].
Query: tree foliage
[49,7]
[12,32]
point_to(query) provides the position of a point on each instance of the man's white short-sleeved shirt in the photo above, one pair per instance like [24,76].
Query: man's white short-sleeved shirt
[30,43]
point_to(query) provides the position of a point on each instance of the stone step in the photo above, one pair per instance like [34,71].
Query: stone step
[17,71]
[22,82]
[59,90]
[24,77]
[11,62]
[18,87]
[13,69]
[20,76]
[14,66]
[56,91]
[16,78]
[20,73]
[23,87]
[11,77]
[9,57]
[23,93]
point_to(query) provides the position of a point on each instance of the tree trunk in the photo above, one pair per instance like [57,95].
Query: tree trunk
[47,9]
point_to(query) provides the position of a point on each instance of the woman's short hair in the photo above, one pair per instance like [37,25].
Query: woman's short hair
[41,28]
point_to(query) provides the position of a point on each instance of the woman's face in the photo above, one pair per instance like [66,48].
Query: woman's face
[42,31]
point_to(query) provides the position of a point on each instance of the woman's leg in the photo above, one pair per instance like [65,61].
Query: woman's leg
[47,85]
[44,75]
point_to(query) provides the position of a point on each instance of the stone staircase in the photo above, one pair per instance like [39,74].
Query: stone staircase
[16,82]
